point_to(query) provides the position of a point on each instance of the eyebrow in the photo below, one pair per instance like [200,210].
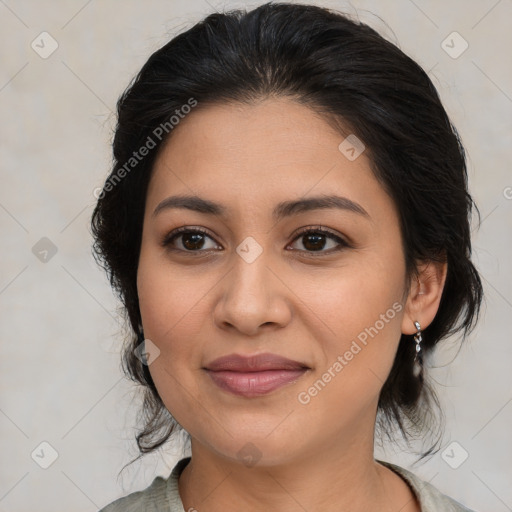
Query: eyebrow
[282,210]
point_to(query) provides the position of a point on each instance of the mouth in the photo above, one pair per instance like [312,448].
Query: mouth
[252,376]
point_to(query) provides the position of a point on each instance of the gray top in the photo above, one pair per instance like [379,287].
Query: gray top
[163,494]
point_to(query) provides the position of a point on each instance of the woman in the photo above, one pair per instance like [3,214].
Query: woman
[287,225]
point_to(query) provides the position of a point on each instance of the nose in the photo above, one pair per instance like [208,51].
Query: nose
[253,298]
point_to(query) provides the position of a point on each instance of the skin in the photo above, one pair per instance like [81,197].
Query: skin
[195,308]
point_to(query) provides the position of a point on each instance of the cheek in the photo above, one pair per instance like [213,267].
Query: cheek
[357,298]
[168,297]
[358,351]
[172,315]
[170,310]
[362,313]
[176,311]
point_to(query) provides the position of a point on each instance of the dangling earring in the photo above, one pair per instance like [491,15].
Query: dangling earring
[418,358]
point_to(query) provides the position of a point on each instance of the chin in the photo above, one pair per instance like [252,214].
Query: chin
[253,449]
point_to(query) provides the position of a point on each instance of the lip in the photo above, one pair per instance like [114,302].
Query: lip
[255,363]
[256,375]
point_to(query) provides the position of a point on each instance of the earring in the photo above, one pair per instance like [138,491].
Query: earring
[418,358]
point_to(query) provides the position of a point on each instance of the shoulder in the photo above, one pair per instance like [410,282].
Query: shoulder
[161,496]
[151,499]
[430,498]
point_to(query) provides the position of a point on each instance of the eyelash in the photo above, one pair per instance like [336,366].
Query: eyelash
[169,238]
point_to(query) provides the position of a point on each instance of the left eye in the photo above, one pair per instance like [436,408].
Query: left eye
[313,240]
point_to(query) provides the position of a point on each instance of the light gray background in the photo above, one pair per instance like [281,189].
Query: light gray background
[59,368]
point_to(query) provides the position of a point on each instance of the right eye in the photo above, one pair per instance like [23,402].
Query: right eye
[191,240]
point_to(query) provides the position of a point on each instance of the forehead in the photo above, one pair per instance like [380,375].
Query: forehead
[260,154]
[251,133]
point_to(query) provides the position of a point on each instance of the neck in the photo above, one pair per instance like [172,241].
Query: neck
[328,478]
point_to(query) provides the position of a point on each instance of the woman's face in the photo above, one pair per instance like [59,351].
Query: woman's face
[254,285]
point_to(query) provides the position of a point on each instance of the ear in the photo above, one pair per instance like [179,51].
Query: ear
[424,295]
